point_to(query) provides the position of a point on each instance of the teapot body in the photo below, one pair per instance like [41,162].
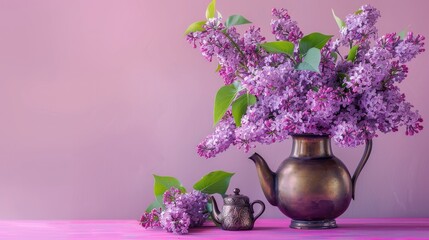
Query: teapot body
[237,218]
[312,186]
[313,189]
[237,212]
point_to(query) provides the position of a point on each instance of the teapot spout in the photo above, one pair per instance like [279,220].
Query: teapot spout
[267,178]
[216,215]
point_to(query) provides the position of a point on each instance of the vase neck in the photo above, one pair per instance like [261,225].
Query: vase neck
[311,146]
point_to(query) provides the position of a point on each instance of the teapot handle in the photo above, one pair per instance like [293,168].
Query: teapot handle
[364,159]
[262,209]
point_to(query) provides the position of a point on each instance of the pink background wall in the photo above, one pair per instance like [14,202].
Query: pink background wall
[95,96]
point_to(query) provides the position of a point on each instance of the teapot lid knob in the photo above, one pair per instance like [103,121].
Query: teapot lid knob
[236,191]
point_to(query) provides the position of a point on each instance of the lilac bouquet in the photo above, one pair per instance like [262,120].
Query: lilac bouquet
[304,84]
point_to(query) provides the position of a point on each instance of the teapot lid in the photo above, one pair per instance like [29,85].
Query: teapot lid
[236,198]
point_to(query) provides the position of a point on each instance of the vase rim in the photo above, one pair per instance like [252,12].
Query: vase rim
[310,135]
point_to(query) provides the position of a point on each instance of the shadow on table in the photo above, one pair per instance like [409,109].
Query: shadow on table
[360,227]
[342,227]
[263,228]
[384,227]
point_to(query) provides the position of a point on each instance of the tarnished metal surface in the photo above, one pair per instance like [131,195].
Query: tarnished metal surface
[237,212]
[312,185]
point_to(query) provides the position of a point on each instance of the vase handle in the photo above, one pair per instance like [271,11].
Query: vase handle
[364,159]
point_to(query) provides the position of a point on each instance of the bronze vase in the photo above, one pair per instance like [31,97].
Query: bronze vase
[312,186]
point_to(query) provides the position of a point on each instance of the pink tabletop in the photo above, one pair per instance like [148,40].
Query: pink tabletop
[264,229]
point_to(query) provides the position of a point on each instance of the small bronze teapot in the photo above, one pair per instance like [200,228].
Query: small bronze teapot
[237,212]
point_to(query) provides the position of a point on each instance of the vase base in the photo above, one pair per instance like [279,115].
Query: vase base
[324,224]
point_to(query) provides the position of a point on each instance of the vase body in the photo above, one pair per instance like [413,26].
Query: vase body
[312,186]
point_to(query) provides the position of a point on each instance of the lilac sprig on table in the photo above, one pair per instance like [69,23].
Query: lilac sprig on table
[182,211]
[304,84]
[194,203]
[176,210]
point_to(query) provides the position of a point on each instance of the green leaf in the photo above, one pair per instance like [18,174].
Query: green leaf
[234,20]
[224,97]
[313,40]
[214,182]
[311,60]
[358,12]
[218,68]
[240,105]
[279,47]
[196,27]
[163,183]
[335,56]
[154,204]
[209,205]
[402,34]
[211,9]
[352,54]
[341,24]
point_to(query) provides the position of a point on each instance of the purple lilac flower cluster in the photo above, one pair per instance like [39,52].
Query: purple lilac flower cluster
[283,27]
[349,100]
[182,211]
